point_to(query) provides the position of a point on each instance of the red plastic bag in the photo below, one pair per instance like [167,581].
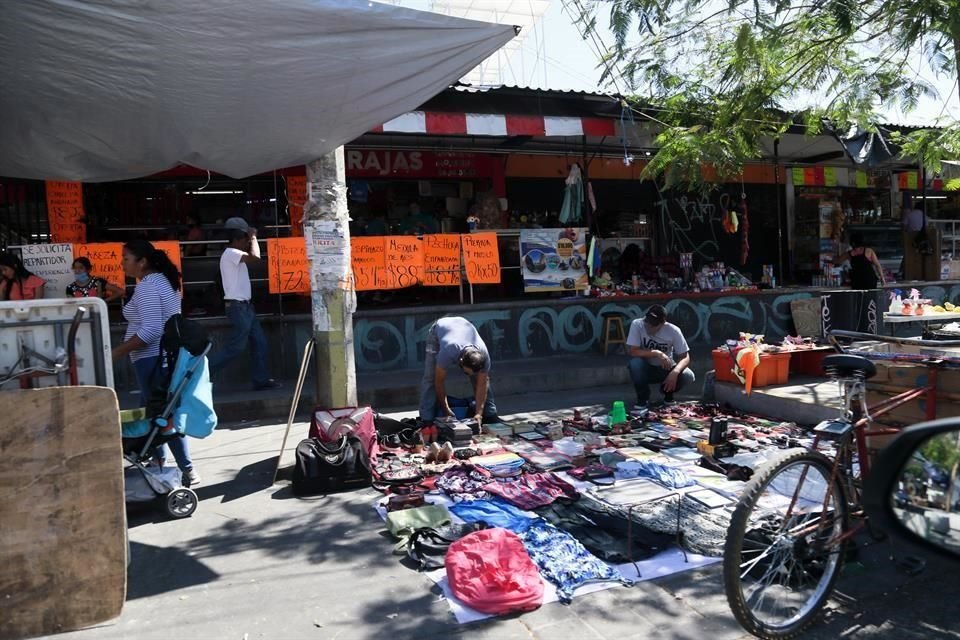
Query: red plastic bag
[491,572]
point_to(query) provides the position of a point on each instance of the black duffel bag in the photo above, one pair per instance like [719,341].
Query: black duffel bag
[325,467]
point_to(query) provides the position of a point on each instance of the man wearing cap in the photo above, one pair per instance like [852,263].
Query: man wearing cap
[242,250]
[658,355]
[453,343]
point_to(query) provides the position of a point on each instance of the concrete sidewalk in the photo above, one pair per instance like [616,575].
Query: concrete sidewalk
[256,562]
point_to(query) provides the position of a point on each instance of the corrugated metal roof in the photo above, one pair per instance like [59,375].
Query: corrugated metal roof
[461,87]
[470,88]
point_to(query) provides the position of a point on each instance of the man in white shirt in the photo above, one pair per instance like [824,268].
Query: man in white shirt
[243,249]
[913,218]
[658,355]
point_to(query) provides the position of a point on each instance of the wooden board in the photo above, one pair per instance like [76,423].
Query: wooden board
[62,510]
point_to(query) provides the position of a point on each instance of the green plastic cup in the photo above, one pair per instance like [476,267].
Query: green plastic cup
[619,412]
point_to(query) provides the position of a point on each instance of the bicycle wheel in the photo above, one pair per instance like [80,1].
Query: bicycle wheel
[783,551]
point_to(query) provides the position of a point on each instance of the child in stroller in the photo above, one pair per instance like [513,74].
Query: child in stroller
[182,405]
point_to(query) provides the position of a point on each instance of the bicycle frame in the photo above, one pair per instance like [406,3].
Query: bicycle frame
[855,390]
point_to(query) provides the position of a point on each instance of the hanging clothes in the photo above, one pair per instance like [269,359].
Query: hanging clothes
[532,490]
[572,209]
[564,561]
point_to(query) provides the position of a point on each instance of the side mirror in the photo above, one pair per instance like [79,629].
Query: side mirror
[913,491]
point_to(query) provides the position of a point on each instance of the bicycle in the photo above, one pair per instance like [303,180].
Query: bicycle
[789,532]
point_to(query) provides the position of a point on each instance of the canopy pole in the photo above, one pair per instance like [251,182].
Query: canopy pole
[332,296]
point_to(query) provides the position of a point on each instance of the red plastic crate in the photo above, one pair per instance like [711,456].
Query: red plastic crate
[810,361]
[774,368]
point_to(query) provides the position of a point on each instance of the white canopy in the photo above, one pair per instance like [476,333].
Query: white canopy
[116,89]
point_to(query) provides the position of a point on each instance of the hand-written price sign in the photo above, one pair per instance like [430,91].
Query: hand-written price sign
[172,249]
[368,257]
[296,198]
[404,263]
[288,270]
[106,258]
[481,256]
[65,211]
[441,260]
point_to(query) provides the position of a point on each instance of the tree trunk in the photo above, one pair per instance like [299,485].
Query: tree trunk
[333,301]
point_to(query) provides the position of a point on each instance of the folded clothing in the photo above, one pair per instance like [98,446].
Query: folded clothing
[532,490]
[495,512]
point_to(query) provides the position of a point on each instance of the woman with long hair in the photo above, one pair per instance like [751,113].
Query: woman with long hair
[87,285]
[16,283]
[155,300]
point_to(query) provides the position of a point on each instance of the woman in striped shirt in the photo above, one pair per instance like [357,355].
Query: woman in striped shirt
[154,301]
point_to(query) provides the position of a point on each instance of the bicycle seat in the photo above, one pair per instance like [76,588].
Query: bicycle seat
[848,366]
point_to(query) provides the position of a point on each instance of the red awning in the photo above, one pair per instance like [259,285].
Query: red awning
[489,124]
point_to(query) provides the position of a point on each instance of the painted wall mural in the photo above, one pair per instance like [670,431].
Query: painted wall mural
[396,342]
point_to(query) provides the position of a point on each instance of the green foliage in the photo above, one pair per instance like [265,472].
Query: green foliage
[944,450]
[737,66]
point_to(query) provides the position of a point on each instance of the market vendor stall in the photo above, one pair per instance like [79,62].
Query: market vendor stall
[595,500]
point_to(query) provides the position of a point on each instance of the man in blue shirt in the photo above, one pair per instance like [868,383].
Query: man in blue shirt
[453,343]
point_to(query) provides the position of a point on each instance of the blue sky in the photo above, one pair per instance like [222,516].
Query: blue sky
[554,56]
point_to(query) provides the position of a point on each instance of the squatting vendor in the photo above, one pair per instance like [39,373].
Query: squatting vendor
[453,343]
[658,355]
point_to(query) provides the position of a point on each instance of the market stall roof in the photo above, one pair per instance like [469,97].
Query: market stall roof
[122,88]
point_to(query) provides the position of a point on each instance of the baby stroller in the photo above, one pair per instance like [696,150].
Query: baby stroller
[181,405]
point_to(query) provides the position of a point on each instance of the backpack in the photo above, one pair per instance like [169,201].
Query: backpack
[325,467]
[490,571]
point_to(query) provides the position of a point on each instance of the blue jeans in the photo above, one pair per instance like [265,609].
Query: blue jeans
[148,375]
[245,330]
[643,374]
[428,390]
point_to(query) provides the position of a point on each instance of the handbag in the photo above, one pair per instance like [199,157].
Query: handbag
[428,546]
[399,502]
[325,467]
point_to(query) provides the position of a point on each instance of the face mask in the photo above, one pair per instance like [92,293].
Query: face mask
[82,278]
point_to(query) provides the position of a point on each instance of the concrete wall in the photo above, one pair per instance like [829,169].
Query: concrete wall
[392,339]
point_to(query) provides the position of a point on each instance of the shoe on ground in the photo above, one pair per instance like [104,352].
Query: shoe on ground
[433,453]
[445,453]
[190,478]
[266,386]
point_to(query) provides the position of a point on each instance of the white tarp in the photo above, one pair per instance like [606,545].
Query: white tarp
[116,89]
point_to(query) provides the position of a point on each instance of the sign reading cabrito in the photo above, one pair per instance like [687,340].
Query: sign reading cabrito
[288,270]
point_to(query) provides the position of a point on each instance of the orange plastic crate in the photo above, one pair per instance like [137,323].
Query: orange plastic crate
[774,368]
